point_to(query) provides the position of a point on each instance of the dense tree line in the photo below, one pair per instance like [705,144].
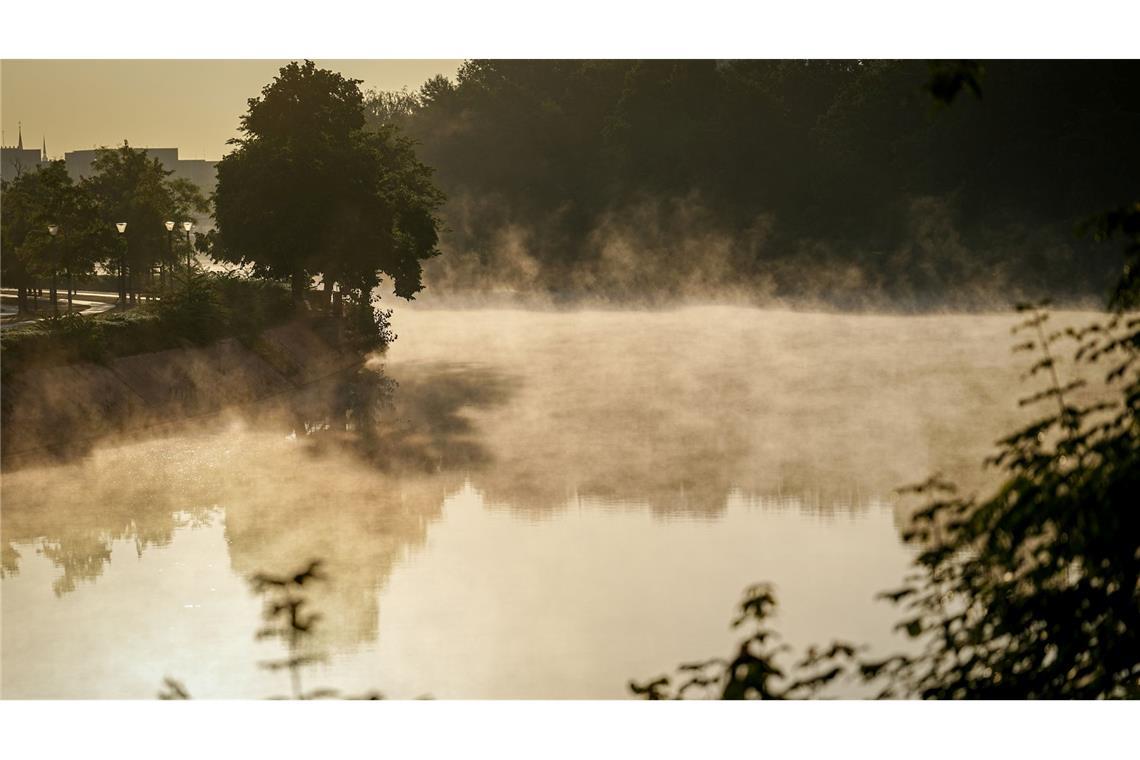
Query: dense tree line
[55,227]
[840,181]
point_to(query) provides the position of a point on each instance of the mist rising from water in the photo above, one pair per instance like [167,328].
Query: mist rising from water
[677,250]
[672,413]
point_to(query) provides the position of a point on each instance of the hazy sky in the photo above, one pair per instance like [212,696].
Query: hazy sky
[191,105]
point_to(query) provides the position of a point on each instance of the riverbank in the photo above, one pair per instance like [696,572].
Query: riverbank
[208,308]
[217,340]
[58,409]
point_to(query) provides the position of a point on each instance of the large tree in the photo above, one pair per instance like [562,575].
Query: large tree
[309,190]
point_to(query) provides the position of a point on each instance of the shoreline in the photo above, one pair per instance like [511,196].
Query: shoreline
[66,409]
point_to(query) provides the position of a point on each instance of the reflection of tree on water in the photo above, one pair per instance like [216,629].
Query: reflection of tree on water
[364,522]
[115,495]
[360,487]
[346,471]
[678,411]
[373,461]
[626,421]
[429,426]
[681,444]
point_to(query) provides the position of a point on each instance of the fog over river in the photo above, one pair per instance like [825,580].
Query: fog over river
[577,498]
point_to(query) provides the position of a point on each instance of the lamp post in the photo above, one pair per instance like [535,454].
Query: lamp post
[53,230]
[186,226]
[169,254]
[122,228]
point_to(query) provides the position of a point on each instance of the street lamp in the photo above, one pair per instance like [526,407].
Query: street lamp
[53,230]
[186,226]
[170,250]
[122,228]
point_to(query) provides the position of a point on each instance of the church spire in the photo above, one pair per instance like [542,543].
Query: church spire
[43,152]
[20,128]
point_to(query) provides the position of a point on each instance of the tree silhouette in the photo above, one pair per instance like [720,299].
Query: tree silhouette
[309,191]
[799,169]
[285,619]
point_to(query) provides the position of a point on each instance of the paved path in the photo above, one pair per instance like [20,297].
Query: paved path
[90,302]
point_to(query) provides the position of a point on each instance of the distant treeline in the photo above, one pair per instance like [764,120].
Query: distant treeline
[847,183]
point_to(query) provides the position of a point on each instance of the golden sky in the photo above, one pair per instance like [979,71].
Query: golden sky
[193,105]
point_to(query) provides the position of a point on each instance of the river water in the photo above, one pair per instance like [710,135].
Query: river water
[577,499]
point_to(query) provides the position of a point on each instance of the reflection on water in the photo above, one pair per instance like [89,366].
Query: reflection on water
[552,503]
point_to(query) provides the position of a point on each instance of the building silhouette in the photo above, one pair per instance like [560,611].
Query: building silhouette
[16,159]
[200,172]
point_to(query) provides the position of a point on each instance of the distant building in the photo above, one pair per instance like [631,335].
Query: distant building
[200,172]
[16,159]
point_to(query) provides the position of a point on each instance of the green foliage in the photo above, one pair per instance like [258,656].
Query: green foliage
[287,618]
[129,186]
[832,180]
[72,338]
[81,337]
[126,186]
[215,305]
[33,201]
[308,191]
[212,305]
[1121,222]
[368,326]
[754,672]
[250,304]
[194,309]
[1034,590]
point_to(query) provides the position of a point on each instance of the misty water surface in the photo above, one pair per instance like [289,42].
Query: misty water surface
[579,498]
